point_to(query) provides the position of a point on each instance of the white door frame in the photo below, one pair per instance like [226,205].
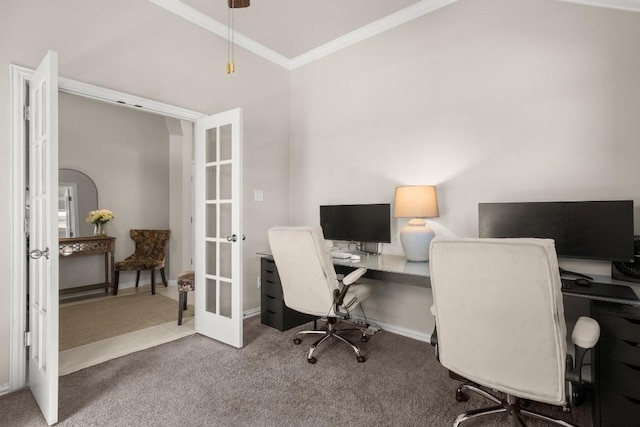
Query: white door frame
[18,78]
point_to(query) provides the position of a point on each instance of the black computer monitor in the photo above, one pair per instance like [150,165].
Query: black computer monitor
[598,230]
[358,223]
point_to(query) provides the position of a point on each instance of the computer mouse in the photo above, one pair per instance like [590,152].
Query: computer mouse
[582,282]
[355,258]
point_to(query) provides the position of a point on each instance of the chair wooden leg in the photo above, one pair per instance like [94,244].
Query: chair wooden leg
[137,277]
[185,300]
[182,302]
[116,279]
[164,279]
[153,282]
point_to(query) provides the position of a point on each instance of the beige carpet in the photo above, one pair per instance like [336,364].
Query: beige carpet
[196,381]
[89,322]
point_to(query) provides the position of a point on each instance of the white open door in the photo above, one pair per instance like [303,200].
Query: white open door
[218,227]
[43,236]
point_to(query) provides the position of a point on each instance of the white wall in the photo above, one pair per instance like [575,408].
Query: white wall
[490,100]
[126,153]
[139,48]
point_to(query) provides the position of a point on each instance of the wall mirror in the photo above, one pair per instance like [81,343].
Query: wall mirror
[77,196]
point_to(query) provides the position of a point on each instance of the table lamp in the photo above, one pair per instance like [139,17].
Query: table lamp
[416,202]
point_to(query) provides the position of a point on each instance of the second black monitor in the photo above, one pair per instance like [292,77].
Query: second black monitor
[600,230]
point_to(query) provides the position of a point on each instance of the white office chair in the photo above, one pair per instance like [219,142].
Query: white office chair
[500,324]
[310,284]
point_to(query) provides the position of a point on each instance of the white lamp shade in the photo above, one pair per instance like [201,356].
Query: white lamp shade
[416,201]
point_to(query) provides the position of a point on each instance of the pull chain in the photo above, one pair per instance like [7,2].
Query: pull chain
[231,65]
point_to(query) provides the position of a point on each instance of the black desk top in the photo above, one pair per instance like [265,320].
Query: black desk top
[604,288]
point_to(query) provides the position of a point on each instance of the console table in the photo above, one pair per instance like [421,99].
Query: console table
[83,246]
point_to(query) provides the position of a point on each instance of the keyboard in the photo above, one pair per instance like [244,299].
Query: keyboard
[340,254]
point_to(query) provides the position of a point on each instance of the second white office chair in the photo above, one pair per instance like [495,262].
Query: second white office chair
[500,324]
[310,284]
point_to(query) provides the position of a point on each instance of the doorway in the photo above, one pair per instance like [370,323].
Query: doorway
[19,78]
[212,131]
[139,164]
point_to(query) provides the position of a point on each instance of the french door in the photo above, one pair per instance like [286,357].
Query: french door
[43,236]
[218,227]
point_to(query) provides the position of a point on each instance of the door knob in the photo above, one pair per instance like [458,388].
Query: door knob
[37,253]
[232,238]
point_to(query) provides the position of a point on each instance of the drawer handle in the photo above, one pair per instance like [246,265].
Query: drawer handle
[634,321]
[270,282]
[269,296]
[631,343]
[270,271]
[271,312]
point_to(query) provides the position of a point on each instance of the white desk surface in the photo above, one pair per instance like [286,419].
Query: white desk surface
[389,263]
[603,288]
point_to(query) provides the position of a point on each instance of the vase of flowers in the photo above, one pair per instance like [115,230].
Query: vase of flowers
[99,218]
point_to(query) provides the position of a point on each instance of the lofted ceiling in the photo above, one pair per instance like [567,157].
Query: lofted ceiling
[294,32]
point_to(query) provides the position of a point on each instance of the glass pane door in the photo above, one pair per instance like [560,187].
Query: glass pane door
[218,233]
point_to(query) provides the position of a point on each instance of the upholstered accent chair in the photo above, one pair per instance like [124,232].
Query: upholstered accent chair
[500,325]
[310,284]
[149,255]
[185,285]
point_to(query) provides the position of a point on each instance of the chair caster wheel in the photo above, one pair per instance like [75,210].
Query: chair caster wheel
[461,396]
[312,360]
[364,338]
[297,341]
[361,359]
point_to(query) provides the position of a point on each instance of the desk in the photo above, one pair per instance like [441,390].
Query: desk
[614,303]
[396,269]
[83,246]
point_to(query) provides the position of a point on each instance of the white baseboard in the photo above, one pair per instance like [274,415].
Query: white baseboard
[4,389]
[394,329]
[251,312]
[399,330]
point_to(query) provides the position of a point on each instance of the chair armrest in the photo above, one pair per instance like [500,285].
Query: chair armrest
[348,280]
[353,276]
[586,333]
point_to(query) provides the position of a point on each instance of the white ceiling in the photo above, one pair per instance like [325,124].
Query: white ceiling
[294,32]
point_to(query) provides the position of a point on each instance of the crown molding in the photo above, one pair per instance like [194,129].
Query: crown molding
[200,19]
[393,20]
[628,5]
[398,18]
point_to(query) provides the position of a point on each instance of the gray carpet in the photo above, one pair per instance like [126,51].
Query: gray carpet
[199,382]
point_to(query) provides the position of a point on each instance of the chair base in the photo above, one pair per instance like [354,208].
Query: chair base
[330,332]
[510,406]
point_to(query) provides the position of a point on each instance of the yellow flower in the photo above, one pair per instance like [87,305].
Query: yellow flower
[100,216]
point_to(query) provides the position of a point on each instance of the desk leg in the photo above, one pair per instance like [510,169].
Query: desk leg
[112,267]
[106,272]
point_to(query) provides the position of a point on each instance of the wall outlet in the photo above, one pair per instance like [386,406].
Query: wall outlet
[258,282]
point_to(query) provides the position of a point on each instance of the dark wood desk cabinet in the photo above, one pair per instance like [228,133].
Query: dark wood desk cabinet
[274,312]
[617,365]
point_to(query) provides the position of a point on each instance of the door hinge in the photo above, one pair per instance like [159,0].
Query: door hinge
[27,113]
[27,339]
